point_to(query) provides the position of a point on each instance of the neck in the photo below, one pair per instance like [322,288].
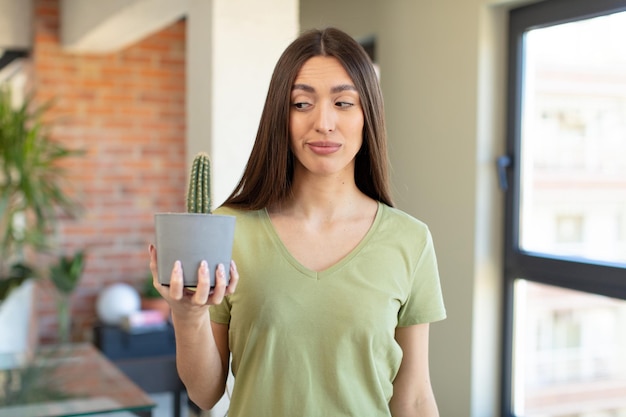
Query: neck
[322,197]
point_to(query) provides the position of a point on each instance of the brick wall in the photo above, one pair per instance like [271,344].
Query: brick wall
[126,110]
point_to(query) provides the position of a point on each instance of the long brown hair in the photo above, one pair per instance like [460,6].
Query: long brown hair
[267,178]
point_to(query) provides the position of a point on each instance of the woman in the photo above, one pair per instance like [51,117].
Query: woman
[328,311]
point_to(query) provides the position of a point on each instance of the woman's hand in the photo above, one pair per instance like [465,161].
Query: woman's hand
[201,352]
[184,300]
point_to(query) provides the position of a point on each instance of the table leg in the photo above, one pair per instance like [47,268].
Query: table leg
[177,403]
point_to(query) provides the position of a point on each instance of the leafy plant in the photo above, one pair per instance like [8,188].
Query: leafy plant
[147,288]
[31,193]
[18,273]
[65,275]
[199,191]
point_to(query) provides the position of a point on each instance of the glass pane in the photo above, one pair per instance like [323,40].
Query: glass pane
[573,139]
[569,356]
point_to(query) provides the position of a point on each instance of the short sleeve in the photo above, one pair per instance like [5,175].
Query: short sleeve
[424,303]
[220,313]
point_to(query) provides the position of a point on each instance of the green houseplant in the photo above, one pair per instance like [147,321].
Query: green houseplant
[151,298]
[65,275]
[196,235]
[31,192]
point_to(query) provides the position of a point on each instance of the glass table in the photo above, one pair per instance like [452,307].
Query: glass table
[67,380]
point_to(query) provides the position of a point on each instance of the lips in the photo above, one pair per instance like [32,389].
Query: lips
[323,148]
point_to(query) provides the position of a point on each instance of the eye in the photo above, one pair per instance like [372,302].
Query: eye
[344,104]
[301,105]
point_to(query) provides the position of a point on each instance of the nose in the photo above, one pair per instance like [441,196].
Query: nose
[325,118]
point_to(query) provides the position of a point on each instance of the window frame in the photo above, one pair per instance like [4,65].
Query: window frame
[593,277]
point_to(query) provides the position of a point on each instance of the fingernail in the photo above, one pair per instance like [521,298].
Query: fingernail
[204,266]
[233,265]
[177,266]
[220,267]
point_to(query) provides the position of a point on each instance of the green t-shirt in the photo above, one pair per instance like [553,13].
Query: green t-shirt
[311,344]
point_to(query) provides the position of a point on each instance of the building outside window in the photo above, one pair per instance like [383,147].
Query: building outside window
[565,334]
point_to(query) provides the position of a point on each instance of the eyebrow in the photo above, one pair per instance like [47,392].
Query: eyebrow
[334,90]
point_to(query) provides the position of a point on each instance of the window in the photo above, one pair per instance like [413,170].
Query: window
[565,254]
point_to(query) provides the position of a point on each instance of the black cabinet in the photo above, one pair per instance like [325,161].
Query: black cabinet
[117,343]
[148,359]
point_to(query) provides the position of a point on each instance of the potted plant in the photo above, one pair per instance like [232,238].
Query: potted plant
[31,193]
[196,235]
[65,275]
[31,199]
[151,299]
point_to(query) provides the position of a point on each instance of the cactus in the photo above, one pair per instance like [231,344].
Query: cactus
[199,191]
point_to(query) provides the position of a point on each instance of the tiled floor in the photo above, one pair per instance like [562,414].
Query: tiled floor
[165,405]
[163,408]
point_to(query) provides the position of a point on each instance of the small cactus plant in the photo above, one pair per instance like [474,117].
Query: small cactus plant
[191,238]
[199,191]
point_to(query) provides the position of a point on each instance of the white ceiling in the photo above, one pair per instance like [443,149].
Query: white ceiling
[15,24]
[89,26]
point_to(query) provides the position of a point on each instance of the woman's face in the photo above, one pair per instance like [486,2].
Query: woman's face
[325,119]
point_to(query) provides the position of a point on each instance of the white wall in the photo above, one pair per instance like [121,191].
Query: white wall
[442,72]
[357,17]
[233,46]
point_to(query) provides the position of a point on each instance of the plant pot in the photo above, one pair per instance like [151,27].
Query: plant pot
[192,238]
[18,325]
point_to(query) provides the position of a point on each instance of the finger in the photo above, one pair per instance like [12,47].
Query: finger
[234,278]
[204,285]
[220,286]
[153,261]
[153,269]
[176,281]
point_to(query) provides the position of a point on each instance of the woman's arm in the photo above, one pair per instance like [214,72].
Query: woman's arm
[202,360]
[202,353]
[412,392]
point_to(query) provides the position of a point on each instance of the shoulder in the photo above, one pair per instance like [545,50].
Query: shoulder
[243,217]
[230,211]
[400,220]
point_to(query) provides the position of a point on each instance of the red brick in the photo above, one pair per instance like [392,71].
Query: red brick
[127,110]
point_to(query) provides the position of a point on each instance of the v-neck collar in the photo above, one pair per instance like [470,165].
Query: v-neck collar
[269,226]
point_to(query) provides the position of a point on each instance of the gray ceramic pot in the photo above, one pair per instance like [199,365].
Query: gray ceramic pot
[191,238]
